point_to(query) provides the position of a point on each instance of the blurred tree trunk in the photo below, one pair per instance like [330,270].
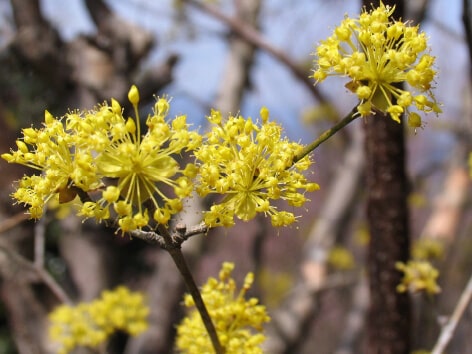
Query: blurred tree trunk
[389,323]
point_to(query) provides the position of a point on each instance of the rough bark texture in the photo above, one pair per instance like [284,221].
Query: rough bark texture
[387,213]
[389,319]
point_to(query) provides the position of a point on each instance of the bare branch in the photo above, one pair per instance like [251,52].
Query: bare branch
[254,37]
[448,330]
[13,221]
[38,43]
[466,19]
[12,260]
[337,206]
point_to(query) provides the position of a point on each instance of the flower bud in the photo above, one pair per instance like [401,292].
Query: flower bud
[133,95]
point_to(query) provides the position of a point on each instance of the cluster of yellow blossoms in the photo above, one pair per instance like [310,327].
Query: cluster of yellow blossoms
[238,321]
[90,324]
[418,275]
[248,165]
[377,53]
[101,151]
[139,179]
[427,249]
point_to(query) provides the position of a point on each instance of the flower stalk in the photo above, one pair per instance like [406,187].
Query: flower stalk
[175,251]
[327,134]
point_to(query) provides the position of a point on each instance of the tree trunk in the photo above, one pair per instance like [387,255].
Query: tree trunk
[387,213]
[389,319]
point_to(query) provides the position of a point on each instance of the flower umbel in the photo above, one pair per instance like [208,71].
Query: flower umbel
[139,176]
[65,163]
[142,165]
[249,165]
[90,324]
[238,321]
[418,276]
[427,249]
[377,53]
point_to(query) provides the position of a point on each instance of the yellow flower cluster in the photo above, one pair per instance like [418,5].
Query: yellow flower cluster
[90,324]
[101,150]
[340,258]
[427,249]
[470,164]
[377,53]
[418,276]
[250,165]
[235,318]
[139,180]
[49,151]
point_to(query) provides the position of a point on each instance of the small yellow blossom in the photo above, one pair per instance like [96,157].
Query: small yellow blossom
[90,324]
[63,162]
[427,249]
[377,53]
[238,322]
[143,165]
[249,165]
[470,164]
[101,150]
[418,276]
[341,258]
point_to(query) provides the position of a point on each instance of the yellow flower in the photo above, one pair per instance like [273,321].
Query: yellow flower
[249,165]
[341,258]
[377,53]
[64,165]
[418,276]
[238,321]
[427,249]
[142,165]
[90,324]
[101,150]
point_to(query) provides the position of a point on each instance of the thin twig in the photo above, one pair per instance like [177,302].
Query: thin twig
[448,330]
[184,233]
[20,261]
[327,134]
[173,247]
[39,242]
[12,221]
[466,13]
[51,283]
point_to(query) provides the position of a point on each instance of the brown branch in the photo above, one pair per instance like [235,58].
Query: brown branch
[13,221]
[448,330]
[254,37]
[17,261]
[126,42]
[355,319]
[290,320]
[327,134]
[99,12]
[28,13]
[173,247]
[39,44]
[466,19]
[286,328]
[236,79]
[165,288]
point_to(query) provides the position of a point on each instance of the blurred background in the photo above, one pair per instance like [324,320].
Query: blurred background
[234,55]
